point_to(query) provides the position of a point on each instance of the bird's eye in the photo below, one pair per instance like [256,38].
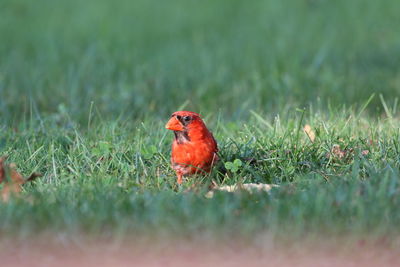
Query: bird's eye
[187,118]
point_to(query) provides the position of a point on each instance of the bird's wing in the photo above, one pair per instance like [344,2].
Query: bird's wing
[215,142]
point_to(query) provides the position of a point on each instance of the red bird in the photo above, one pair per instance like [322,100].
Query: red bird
[194,149]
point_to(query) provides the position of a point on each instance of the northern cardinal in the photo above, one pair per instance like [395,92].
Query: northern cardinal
[194,149]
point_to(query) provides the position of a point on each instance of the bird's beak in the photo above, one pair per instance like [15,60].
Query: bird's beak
[174,125]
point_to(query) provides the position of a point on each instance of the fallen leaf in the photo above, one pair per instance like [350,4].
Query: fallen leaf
[11,179]
[309,132]
[2,171]
[337,152]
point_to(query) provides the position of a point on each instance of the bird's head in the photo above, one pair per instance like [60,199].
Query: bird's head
[187,124]
[183,121]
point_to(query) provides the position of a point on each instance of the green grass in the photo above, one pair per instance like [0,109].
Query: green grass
[140,58]
[86,88]
[115,179]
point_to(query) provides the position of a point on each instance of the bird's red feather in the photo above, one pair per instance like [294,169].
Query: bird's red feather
[197,151]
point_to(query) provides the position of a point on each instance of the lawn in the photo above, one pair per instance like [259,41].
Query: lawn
[87,86]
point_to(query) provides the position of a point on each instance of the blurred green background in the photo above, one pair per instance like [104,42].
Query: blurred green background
[147,58]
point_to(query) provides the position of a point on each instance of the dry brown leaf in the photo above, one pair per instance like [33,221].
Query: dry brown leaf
[12,180]
[309,132]
[337,152]
[365,152]
[2,170]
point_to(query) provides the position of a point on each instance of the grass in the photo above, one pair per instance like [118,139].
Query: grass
[68,54]
[85,93]
[115,179]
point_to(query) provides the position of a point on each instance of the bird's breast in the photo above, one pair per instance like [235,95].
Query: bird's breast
[193,155]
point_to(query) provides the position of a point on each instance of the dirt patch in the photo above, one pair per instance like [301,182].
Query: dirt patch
[193,253]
